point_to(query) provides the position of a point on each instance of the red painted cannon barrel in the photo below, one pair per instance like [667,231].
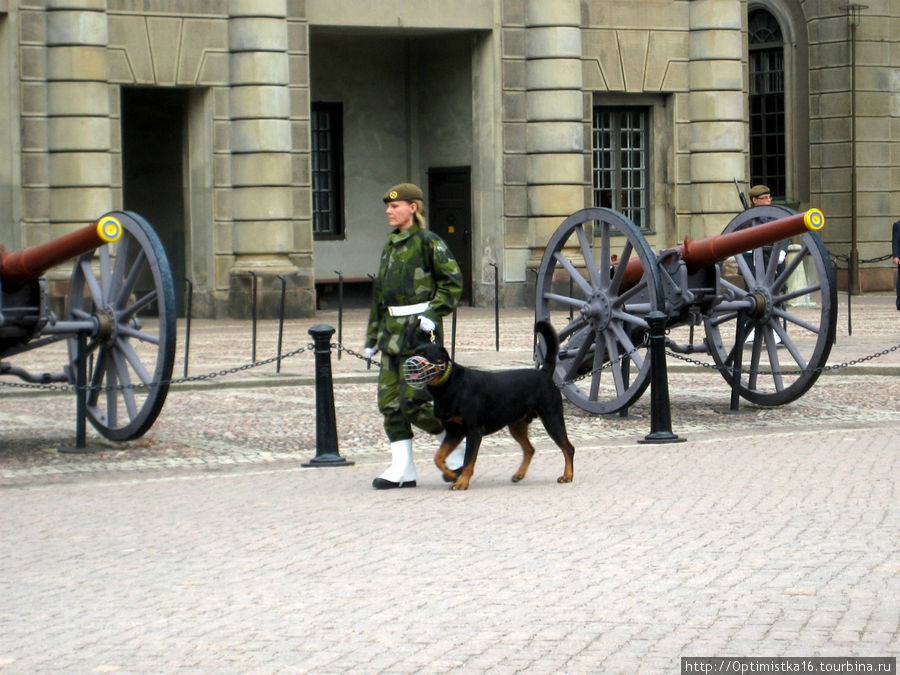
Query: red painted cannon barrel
[701,253]
[32,262]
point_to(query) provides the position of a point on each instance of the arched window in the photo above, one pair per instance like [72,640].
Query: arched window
[767,105]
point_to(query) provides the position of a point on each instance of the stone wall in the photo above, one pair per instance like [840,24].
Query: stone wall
[874,167]
[537,69]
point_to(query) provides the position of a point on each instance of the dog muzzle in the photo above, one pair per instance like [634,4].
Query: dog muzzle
[418,371]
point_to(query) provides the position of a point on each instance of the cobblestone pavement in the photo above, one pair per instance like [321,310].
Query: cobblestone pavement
[207,545]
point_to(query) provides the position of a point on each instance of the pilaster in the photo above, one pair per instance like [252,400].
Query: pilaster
[79,124]
[717,128]
[261,141]
[554,110]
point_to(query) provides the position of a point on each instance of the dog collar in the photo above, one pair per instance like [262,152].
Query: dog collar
[443,378]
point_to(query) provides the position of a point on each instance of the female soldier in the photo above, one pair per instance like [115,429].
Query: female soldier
[418,282]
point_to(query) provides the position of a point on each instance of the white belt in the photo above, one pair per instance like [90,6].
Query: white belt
[406,310]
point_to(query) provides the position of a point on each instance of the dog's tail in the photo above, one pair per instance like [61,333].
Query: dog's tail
[551,340]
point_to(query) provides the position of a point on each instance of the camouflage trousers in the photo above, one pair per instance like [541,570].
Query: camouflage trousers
[402,406]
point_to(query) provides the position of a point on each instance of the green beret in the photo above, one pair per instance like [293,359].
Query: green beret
[759,191]
[404,192]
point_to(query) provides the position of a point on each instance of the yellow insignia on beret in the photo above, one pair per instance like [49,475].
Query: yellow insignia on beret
[392,194]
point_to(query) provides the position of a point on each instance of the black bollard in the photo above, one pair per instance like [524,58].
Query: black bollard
[253,315]
[849,309]
[660,414]
[496,306]
[187,319]
[453,336]
[737,363]
[280,323]
[81,393]
[626,381]
[340,310]
[326,421]
[372,279]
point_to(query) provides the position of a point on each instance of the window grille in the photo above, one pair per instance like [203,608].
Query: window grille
[767,112]
[619,161]
[327,170]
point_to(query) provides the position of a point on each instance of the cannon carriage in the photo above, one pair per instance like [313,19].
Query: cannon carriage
[121,306]
[769,319]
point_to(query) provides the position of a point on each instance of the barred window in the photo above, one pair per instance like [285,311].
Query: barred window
[768,163]
[619,161]
[327,170]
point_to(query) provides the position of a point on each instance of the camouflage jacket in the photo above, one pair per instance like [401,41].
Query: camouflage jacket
[416,266]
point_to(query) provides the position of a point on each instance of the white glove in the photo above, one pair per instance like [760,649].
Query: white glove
[426,324]
[370,352]
[781,257]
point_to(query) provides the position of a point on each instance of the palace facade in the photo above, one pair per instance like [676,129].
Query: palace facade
[259,135]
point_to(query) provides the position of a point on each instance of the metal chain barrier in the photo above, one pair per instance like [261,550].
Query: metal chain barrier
[711,366]
[371,362]
[361,357]
[142,385]
[591,373]
[645,343]
[750,371]
[846,258]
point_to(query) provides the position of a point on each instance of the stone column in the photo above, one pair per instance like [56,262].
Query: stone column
[555,177]
[717,113]
[261,177]
[79,128]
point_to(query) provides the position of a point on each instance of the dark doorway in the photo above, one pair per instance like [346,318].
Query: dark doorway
[450,216]
[153,151]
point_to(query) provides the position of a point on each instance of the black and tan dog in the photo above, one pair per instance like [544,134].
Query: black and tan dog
[474,403]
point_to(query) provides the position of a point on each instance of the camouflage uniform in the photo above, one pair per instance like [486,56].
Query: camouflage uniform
[416,267]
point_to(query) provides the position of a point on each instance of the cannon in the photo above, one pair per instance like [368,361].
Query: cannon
[598,281]
[121,305]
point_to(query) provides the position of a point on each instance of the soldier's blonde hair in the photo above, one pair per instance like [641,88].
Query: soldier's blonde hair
[420,214]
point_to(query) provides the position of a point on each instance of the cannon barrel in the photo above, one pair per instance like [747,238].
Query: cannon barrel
[31,263]
[701,253]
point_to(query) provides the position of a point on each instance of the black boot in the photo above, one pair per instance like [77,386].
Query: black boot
[385,484]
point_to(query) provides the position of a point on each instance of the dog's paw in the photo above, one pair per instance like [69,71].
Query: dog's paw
[517,477]
[564,479]
[460,485]
[450,476]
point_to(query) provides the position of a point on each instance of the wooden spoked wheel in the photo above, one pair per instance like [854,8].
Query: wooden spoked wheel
[792,290]
[131,297]
[600,316]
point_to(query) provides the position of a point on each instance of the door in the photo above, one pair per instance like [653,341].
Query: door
[450,209]
[153,123]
